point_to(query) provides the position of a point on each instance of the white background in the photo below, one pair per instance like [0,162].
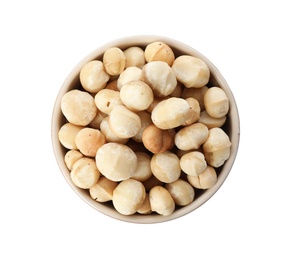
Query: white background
[254,215]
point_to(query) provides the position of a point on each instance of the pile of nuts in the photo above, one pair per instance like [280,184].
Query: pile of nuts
[144,131]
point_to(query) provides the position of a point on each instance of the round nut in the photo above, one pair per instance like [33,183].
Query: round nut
[156,140]
[194,112]
[191,71]
[89,140]
[114,61]
[193,163]
[143,170]
[123,122]
[85,173]
[191,137]
[128,196]
[102,191]
[205,180]
[159,51]
[136,95]
[146,206]
[134,57]
[166,167]
[71,157]
[93,76]
[181,191]
[78,107]
[96,122]
[161,201]
[67,134]
[216,102]
[129,74]
[170,113]
[160,77]
[109,134]
[211,122]
[107,99]
[116,162]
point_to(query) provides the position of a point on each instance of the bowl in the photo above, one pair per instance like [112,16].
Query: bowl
[231,127]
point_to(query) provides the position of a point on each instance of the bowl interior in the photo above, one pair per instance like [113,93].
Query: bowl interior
[231,127]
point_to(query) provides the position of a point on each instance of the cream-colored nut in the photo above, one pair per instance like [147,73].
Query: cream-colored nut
[78,107]
[181,191]
[89,140]
[170,113]
[191,137]
[102,191]
[143,170]
[114,61]
[107,99]
[193,163]
[146,206]
[96,122]
[116,162]
[123,122]
[216,102]
[159,51]
[71,157]
[109,134]
[85,173]
[205,180]
[156,140]
[129,74]
[128,196]
[166,166]
[211,122]
[160,77]
[197,93]
[136,95]
[134,57]
[67,134]
[152,182]
[161,201]
[146,120]
[191,71]
[194,112]
[93,76]
[217,147]
[112,85]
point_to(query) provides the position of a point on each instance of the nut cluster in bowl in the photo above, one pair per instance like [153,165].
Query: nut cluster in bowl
[145,130]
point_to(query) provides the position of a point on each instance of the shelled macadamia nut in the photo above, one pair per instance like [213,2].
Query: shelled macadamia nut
[193,163]
[134,57]
[96,122]
[114,61]
[78,107]
[116,162]
[194,111]
[217,147]
[89,140]
[191,71]
[107,99]
[85,173]
[128,196]
[71,157]
[146,206]
[160,77]
[102,191]
[123,122]
[143,170]
[93,76]
[191,137]
[181,191]
[161,201]
[129,74]
[136,95]
[170,113]
[109,134]
[67,134]
[216,102]
[205,180]
[159,51]
[166,166]
[157,140]
[211,122]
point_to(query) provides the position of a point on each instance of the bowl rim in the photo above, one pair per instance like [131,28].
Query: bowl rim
[143,40]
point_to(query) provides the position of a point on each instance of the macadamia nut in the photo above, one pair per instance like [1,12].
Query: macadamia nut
[216,102]
[161,201]
[146,206]
[107,99]
[116,162]
[134,57]
[129,74]
[194,111]
[78,107]
[191,71]
[128,196]
[159,51]
[67,134]
[71,157]
[211,122]
[193,163]
[143,170]
[93,76]
[102,191]
[109,134]
[205,180]
[181,192]
[114,61]
[85,173]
